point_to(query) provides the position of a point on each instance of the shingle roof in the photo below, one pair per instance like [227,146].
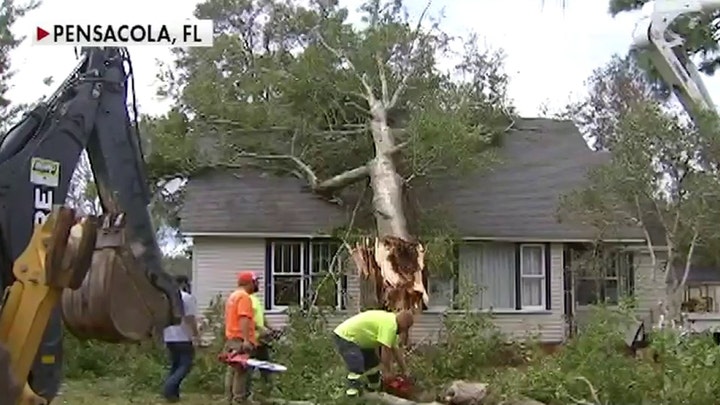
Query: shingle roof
[250,201]
[699,274]
[541,160]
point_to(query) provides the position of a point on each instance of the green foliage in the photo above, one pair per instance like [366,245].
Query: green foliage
[661,173]
[285,79]
[682,371]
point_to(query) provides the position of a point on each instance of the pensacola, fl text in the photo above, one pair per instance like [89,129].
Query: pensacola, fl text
[126,34]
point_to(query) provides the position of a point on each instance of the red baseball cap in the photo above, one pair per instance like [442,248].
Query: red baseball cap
[246,277]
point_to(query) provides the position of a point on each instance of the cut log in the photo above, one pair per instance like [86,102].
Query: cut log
[386,398]
[465,393]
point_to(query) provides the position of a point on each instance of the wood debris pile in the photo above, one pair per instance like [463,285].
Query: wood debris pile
[391,273]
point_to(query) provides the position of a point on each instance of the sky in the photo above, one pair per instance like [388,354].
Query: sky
[550,50]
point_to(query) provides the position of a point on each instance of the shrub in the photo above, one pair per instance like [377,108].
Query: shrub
[591,367]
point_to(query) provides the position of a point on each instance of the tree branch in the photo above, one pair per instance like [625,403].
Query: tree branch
[403,82]
[307,170]
[351,176]
[349,129]
[688,259]
[370,95]
[385,93]
[342,180]
[641,219]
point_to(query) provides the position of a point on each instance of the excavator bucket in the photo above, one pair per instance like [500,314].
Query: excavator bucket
[116,301]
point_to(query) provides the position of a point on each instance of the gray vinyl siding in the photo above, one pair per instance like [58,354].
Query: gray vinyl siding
[216,261]
[547,326]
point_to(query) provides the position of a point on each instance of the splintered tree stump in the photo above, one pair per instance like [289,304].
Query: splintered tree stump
[390,272]
[465,393]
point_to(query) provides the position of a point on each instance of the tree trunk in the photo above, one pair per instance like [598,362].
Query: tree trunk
[391,267]
[386,183]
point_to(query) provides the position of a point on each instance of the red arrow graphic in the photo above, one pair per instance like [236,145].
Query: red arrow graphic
[41,33]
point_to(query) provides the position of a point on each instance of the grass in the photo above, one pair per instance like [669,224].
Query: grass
[116,392]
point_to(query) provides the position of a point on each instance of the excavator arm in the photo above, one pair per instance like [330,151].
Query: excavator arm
[125,279]
[668,53]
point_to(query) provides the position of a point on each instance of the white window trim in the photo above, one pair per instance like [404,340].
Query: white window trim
[542,276]
[338,282]
[305,273]
[603,279]
[273,274]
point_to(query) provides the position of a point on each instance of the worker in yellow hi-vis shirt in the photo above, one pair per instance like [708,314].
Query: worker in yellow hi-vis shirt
[358,340]
[262,351]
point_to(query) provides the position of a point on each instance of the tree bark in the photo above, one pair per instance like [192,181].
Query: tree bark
[385,181]
[391,266]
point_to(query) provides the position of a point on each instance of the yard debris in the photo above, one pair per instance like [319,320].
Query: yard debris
[392,270]
[465,393]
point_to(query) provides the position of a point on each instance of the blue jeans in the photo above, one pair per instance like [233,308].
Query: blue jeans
[181,359]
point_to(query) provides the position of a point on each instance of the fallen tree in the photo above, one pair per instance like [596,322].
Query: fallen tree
[302,91]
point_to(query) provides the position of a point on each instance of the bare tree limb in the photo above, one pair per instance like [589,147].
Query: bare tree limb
[346,246]
[351,176]
[688,259]
[348,129]
[307,170]
[403,81]
[370,95]
[385,93]
[343,179]
[648,241]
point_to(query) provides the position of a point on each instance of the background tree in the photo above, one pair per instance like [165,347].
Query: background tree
[10,11]
[658,177]
[301,90]
[614,89]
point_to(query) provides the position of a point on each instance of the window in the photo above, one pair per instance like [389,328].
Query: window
[326,275]
[440,291]
[603,277]
[503,276]
[304,272]
[489,269]
[532,273]
[288,270]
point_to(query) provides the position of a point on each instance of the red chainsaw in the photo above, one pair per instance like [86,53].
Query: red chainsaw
[399,386]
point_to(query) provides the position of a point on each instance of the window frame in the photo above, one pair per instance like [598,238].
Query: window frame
[340,283]
[306,272]
[625,283]
[546,279]
[270,281]
[542,276]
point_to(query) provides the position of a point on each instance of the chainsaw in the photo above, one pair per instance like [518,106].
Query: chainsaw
[244,361]
[399,386]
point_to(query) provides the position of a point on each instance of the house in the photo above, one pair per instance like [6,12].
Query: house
[702,286]
[512,246]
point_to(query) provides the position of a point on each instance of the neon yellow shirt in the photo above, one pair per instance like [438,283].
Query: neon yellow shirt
[258,314]
[370,329]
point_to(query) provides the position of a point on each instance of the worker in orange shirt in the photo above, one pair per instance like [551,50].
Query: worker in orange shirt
[240,336]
